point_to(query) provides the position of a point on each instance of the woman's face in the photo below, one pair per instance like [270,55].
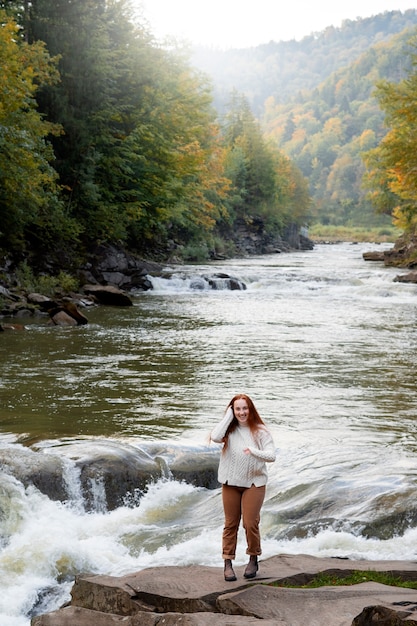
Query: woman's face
[241,410]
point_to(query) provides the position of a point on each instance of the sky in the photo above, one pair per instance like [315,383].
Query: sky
[245,23]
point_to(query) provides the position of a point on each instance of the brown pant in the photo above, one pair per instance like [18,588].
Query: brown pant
[245,503]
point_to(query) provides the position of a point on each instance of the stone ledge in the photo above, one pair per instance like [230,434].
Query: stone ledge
[199,596]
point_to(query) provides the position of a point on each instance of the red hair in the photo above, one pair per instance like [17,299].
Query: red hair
[254,419]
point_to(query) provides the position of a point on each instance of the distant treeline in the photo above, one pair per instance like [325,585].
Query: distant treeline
[107,136]
[316,101]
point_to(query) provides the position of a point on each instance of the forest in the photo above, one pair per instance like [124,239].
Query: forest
[109,136]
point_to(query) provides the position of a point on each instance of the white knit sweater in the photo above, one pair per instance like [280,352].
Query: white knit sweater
[237,468]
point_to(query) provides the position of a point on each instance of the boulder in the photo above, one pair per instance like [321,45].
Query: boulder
[42,301]
[67,314]
[383,616]
[403,254]
[411,277]
[60,318]
[108,294]
[45,472]
[375,255]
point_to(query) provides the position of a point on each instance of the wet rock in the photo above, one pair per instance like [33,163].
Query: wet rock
[195,465]
[61,318]
[224,281]
[110,472]
[45,472]
[411,277]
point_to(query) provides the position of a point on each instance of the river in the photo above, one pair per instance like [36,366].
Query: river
[323,342]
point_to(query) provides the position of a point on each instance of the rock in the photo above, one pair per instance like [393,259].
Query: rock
[108,294]
[61,318]
[411,277]
[221,281]
[4,327]
[42,301]
[74,616]
[118,469]
[383,616]
[198,596]
[67,315]
[403,254]
[5,293]
[374,256]
[109,265]
[45,472]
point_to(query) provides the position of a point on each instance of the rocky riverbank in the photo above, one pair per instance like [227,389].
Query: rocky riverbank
[199,596]
[110,277]
[402,254]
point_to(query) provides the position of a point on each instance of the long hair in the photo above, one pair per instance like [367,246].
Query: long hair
[255,422]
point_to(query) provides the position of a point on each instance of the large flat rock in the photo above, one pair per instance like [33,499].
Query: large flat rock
[325,606]
[199,596]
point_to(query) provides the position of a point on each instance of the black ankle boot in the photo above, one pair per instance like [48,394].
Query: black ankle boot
[251,568]
[229,574]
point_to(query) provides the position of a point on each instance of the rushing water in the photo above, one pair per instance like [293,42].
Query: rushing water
[325,344]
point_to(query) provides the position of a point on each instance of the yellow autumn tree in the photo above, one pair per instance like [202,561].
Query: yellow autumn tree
[391,175]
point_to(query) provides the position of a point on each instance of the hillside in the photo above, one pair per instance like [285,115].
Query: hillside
[315,100]
[326,130]
[281,69]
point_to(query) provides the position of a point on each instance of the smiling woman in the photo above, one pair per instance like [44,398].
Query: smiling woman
[234,24]
[247,446]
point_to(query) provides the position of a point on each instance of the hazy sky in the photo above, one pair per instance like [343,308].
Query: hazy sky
[245,23]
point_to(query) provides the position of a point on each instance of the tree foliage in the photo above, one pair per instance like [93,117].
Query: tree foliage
[332,127]
[392,165]
[30,208]
[265,185]
[121,139]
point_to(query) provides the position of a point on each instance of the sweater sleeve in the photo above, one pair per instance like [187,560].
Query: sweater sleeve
[219,431]
[266,451]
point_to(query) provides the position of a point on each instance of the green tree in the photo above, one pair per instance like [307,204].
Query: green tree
[138,159]
[266,185]
[30,211]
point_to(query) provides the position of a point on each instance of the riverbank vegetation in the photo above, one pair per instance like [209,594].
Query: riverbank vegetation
[106,136]
[325,233]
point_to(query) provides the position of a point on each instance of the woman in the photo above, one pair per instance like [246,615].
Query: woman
[247,446]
